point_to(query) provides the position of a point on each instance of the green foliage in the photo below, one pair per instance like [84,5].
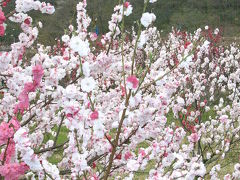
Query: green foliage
[182,14]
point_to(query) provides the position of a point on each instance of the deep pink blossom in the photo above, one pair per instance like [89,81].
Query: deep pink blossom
[123,91]
[2,17]
[94,115]
[132,82]
[126,4]
[13,171]
[29,87]
[2,30]
[6,132]
[128,155]
[10,151]
[37,74]
[27,21]
[14,123]
[23,102]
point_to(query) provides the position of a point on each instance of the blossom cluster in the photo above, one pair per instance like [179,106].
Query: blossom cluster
[114,105]
[2,20]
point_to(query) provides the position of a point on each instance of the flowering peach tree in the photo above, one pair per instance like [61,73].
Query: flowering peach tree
[119,104]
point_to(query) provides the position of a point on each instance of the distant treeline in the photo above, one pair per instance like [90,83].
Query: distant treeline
[182,14]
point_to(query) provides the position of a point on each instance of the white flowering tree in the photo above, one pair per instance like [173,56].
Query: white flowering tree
[114,106]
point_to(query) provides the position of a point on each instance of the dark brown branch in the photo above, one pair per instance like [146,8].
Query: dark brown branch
[68,171]
[27,121]
[51,148]
[5,152]
[5,75]
[131,134]
[114,149]
[10,14]
[109,140]
[64,172]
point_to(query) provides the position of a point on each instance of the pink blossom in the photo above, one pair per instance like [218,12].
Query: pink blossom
[24,102]
[128,155]
[14,123]
[6,132]
[142,152]
[10,151]
[223,119]
[93,36]
[29,87]
[123,91]
[94,115]
[37,74]
[27,21]
[126,4]
[13,171]
[194,137]
[47,8]
[2,30]
[2,17]
[227,177]
[132,82]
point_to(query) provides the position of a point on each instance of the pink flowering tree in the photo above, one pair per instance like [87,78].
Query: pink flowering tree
[119,104]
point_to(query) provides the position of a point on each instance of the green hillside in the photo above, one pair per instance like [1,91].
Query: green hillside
[182,14]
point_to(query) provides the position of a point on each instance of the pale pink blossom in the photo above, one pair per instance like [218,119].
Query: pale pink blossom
[132,82]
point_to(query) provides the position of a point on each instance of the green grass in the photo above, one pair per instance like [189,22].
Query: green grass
[57,155]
